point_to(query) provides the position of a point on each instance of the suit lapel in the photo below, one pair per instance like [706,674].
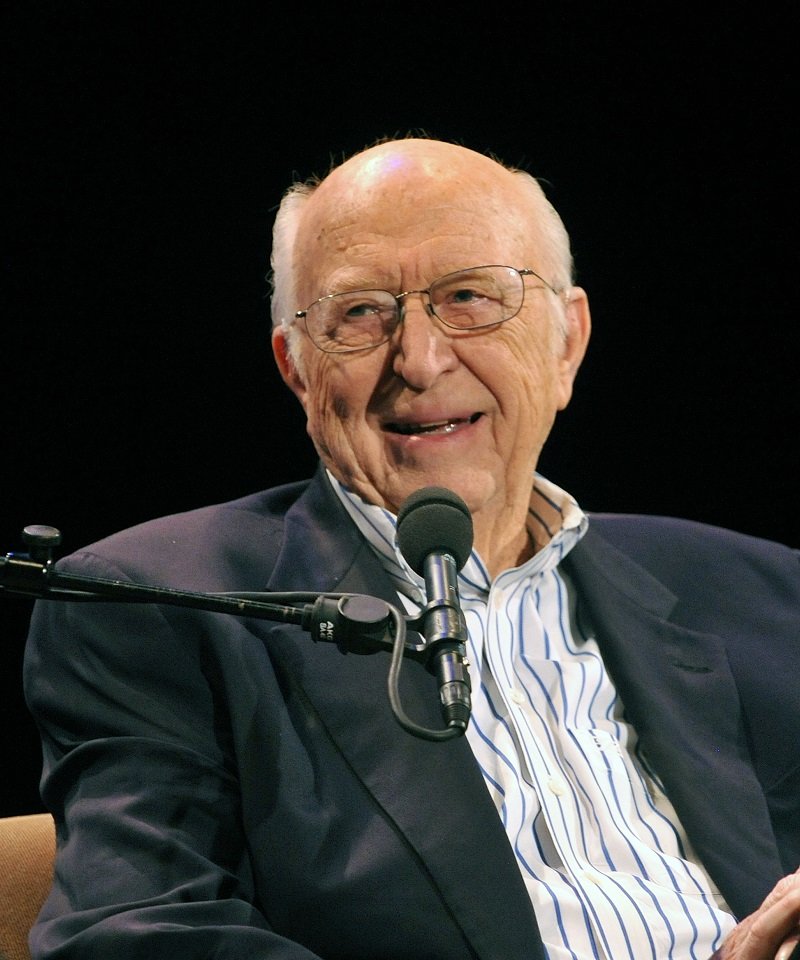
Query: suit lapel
[432,791]
[679,694]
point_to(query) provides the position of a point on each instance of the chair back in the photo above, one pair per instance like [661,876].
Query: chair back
[27,851]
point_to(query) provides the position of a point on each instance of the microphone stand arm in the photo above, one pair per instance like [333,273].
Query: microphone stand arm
[356,623]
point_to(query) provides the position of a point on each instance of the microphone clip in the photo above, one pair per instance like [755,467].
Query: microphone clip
[355,622]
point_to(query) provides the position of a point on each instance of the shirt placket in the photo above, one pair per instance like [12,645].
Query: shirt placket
[538,751]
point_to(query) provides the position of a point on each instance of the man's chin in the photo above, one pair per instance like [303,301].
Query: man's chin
[474,490]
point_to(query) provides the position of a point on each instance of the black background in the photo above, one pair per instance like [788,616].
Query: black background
[146,146]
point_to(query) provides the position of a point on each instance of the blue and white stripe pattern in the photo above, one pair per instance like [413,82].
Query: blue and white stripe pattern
[606,863]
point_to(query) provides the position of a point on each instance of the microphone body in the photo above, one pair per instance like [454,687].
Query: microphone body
[445,633]
[434,532]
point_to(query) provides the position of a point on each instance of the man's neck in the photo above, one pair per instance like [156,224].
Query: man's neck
[503,545]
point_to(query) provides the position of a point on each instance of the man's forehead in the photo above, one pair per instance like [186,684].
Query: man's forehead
[400,192]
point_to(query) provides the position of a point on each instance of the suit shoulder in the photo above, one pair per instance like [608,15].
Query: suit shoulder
[643,532]
[687,554]
[204,544]
[722,580]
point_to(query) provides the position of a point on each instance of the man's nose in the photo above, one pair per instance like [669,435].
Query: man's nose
[422,349]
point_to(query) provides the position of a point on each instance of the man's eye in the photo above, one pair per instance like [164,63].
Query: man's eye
[356,311]
[465,295]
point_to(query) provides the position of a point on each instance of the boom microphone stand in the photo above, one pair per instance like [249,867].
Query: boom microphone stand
[356,623]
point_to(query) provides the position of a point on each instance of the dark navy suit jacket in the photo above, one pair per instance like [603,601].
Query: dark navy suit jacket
[226,787]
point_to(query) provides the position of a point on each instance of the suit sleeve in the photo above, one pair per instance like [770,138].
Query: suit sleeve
[140,775]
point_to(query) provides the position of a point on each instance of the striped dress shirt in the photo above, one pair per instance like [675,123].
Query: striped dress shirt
[606,863]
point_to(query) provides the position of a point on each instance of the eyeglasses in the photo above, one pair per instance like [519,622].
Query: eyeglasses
[465,300]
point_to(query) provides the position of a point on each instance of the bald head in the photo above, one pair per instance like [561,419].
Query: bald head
[432,166]
[423,178]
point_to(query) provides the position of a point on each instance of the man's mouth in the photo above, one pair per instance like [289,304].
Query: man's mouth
[436,426]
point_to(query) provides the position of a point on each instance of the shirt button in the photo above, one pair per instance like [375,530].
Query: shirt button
[517,696]
[556,786]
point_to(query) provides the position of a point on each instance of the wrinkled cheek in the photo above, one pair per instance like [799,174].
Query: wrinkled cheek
[328,417]
[535,402]
[539,382]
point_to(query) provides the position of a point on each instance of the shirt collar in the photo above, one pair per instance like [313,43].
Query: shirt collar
[555,522]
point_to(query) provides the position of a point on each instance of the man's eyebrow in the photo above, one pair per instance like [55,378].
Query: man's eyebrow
[358,279]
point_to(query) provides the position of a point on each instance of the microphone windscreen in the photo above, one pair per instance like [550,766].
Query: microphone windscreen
[434,519]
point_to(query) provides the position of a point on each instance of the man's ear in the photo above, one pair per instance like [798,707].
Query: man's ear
[286,364]
[578,328]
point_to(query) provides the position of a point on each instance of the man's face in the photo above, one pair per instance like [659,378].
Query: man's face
[468,411]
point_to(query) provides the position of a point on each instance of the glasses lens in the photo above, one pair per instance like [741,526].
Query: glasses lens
[478,297]
[353,320]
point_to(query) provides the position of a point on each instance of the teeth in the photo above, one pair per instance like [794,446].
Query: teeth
[447,426]
[439,426]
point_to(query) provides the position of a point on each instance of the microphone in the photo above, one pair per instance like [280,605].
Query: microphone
[434,533]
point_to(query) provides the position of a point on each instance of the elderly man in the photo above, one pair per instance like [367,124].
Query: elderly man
[629,783]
